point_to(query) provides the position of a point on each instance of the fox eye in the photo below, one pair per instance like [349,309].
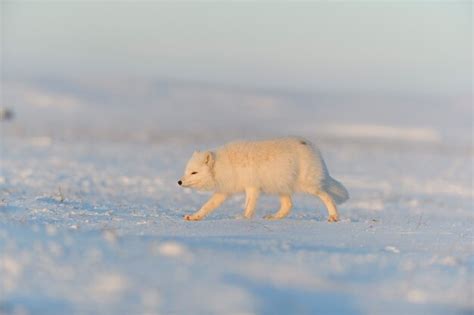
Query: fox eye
[194,173]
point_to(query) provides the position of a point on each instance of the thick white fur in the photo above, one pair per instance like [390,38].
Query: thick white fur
[280,166]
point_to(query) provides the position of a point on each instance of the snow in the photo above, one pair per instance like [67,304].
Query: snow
[91,215]
[369,131]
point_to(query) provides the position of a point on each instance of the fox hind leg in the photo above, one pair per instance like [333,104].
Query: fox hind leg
[330,206]
[285,208]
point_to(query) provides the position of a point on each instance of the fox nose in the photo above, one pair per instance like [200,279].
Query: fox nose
[179,182]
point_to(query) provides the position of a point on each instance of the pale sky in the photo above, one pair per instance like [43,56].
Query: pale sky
[403,47]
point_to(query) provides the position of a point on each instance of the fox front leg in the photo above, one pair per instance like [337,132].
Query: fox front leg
[215,201]
[251,197]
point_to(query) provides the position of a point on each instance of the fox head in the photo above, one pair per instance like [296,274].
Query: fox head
[199,171]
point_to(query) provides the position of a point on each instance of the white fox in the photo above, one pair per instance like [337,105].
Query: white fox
[280,166]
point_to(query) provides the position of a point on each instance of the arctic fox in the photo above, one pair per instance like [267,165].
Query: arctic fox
[280,166]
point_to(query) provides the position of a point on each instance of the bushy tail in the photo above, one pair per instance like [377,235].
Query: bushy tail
[336,190]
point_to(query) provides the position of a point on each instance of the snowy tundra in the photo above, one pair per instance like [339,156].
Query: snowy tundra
[280,167]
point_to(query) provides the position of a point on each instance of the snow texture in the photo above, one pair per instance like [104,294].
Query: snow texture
[91,215]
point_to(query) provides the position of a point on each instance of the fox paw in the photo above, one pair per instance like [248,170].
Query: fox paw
[333,218]
[272,217]
[191,217]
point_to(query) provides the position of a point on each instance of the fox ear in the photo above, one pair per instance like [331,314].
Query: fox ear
[209,159]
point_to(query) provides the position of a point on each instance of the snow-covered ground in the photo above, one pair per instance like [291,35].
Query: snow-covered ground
[91,215]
